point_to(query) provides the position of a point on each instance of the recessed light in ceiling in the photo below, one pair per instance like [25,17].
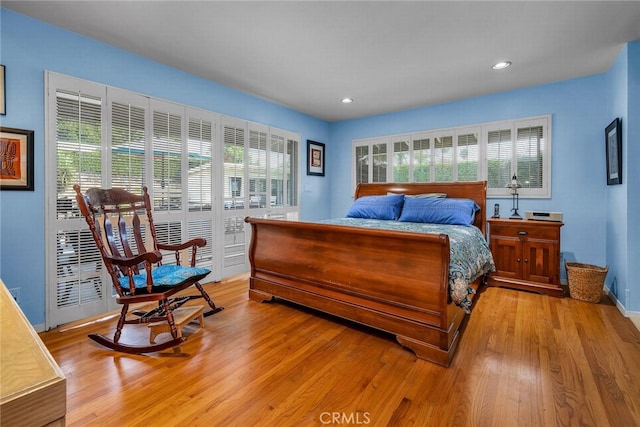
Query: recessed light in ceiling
[501,65]
[346,100]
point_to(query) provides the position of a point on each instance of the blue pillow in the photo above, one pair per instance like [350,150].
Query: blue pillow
[436,210]
[377,207]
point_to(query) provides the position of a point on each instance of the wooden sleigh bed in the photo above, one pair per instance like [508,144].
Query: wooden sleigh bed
[391,280]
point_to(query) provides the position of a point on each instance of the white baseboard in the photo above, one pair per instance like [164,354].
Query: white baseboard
[623,310]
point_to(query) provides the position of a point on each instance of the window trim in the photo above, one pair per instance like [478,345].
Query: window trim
[482,130]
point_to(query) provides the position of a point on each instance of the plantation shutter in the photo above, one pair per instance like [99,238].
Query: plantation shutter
[76,274]
[421,160]
[283,173]
[167,161]
[78,146]
[499,156]
[128,138]
[401,161]
[258,170]
[492,151]
[280,172]
[233,167]
[290,173]
[362,163]
[467,157]
[235,236]
[108,137]
[380,161]
[200,222]
[443,158]
[79,267]
[167,145]
[529,152]
[200,169]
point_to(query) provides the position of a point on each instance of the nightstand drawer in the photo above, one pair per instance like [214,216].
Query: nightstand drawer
[526,230]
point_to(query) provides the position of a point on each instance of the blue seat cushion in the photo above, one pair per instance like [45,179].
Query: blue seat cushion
[166,275]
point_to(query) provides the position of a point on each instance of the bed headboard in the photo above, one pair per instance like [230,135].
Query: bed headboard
[475,190]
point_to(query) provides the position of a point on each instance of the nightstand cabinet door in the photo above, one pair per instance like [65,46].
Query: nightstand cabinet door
[507,255]
[526,254]
[540,262]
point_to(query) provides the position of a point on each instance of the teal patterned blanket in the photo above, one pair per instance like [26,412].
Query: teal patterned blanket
[470,256]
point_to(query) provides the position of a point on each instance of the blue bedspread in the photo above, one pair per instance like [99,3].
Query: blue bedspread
[470,256]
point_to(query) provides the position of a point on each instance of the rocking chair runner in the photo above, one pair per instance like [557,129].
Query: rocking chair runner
[136,271]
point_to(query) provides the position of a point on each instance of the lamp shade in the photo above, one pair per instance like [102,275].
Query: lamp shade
[514,183]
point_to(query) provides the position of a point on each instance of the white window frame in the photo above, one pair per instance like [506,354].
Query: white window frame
[482,130]
[209,220]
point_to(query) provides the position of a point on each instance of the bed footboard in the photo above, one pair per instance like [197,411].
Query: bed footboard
[389,280]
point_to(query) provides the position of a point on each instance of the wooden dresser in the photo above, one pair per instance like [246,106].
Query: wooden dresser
[527,255]
[33,389]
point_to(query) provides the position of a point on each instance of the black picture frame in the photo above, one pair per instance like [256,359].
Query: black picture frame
[16,151]
[613,146]
[315,158]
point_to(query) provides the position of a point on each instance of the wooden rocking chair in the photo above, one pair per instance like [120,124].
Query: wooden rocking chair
[128,260]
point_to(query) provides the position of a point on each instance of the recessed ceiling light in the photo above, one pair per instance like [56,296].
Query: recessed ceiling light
[501,65]
[346,100]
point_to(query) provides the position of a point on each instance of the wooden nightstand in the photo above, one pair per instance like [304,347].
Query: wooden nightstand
[527,255]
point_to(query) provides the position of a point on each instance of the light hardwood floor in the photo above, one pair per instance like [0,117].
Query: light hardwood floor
[523,360]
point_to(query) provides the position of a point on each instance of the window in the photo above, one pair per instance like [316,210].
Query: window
[361,157]
[421,159]
[492,151]
[379,162]
[467,156]
[167,160]
[521,148]
[281,186]
[234,154]
[200,158]
[257,168]
[401,161]
[443,158]
[205,173]
[128,135]
[235,184]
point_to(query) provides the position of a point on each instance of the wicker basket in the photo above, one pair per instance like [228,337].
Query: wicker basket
[586,281]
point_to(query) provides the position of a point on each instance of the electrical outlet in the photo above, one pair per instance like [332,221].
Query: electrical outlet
[15,293]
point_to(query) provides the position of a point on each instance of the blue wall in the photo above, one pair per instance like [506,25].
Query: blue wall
[598,219]
[616,196]
[29,47]
[579,116]
[623,201]
[633,177]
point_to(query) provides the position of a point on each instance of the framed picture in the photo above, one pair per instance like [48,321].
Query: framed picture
[613,143]
[16,153]
[315,156]
[3,102]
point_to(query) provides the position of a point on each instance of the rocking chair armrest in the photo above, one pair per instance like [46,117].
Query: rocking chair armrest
[198,241]
[152,257]
[192,244]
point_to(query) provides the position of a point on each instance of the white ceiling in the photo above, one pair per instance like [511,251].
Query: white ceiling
[387,56]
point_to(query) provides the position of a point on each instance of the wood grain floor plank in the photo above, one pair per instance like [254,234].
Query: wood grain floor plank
[524,359]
